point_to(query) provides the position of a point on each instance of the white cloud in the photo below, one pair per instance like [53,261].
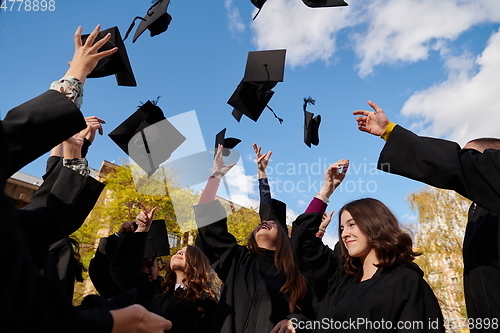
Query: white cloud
[236,24]
[308,34]
[240,186]
[406,30]
[467,104]
[382,31]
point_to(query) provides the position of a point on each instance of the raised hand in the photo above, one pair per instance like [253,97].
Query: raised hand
[219,168]
[144,218]
[72,147]
[334,175]
[262,160]
[86,56]
[95,124]
[372,122]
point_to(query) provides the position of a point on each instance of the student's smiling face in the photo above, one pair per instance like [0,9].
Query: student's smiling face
[355,240]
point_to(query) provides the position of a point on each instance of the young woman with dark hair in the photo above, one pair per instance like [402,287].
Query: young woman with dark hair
[369,283]
[263,287]
[384,237]
[184,297]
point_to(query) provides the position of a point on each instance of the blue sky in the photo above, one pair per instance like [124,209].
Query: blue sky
[432,66]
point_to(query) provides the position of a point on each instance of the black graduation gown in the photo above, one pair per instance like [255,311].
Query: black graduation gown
[186,316]
[100,264]
[474,175]
[393,296]
[30,301]
[62,250]
[250,299]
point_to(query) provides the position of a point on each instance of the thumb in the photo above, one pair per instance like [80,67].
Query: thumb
[152,213]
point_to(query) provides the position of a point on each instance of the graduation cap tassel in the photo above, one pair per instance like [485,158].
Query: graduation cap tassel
[308,100]
[132,26]
[275,116]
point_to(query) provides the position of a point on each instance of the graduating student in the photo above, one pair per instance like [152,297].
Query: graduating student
[184,296]
[69,265]
[474,173]
[369,283]
[29,300]
[262,286]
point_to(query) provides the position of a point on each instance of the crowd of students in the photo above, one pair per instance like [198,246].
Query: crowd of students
[276,283]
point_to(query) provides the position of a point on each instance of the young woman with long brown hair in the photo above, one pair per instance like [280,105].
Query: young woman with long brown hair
[263,287]
[184,296]
[369,283]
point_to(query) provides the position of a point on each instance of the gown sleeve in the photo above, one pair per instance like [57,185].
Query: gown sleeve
[27,123]
[444,164]
[214,239]
[321,265]
[126,264]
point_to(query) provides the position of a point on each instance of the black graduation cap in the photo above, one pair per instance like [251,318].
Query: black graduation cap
[311,124]
[264,69]
[147,137]
[157,244]
[276,211]
[156,20]
[324,3]
[117,63]
[227,143]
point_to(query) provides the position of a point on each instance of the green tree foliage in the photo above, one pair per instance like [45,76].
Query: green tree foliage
[241,224]
[439,235]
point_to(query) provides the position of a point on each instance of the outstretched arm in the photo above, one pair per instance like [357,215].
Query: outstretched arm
[262,163]
[219,169]
[321,263]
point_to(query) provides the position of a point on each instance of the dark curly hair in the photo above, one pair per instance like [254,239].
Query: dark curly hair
[198,279]
[393,246]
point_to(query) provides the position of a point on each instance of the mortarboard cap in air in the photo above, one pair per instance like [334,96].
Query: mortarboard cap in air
[264,69]
[276,211]
[324,3]
[157,244]
[227,143]
[147,137]
[117,63]
[265,66]
[311,125]
[251,99]
[258,3]
[311,129]
[156,20]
